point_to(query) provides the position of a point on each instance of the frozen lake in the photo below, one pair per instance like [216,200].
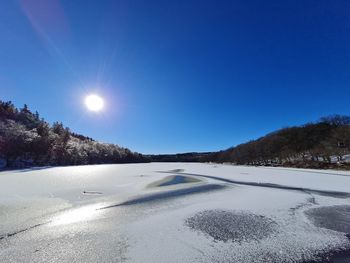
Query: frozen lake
[174,212]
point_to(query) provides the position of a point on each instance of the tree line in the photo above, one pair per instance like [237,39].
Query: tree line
[28,140]
[317,144]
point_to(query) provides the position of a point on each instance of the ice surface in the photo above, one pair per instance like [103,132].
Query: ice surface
[55,215]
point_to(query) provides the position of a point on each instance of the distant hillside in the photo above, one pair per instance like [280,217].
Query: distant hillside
[324,144]
[28,140]
[179,157]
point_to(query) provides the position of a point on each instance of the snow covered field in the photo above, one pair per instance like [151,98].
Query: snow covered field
[174,212]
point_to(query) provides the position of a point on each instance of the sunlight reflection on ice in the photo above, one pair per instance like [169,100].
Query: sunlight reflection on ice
[84,213]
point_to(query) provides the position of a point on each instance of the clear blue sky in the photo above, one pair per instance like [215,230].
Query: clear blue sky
[177,76]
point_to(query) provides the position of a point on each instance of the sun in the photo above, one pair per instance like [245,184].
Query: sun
[94,102]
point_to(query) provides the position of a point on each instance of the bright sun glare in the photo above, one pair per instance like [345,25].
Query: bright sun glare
[94,102]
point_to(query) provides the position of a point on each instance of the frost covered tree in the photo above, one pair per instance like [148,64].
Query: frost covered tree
[319,142]
[27,140]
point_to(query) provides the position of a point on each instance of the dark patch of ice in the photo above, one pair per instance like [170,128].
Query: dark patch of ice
[331,217]
[174,179]
[336,256]
[231,225]
[178,179]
